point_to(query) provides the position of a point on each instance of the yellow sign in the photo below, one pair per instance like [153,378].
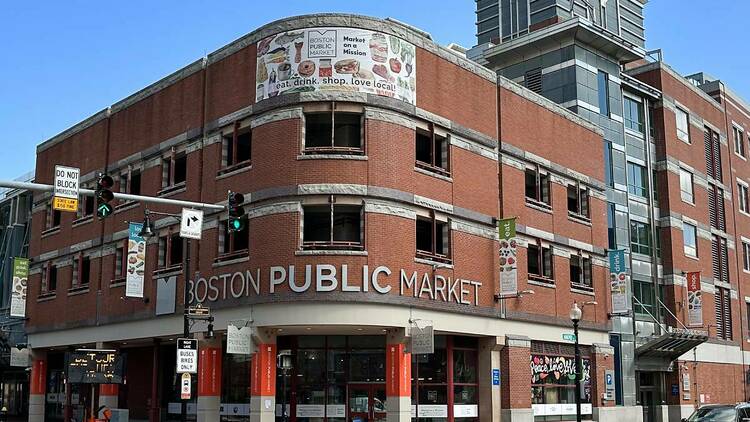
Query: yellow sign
[65,204]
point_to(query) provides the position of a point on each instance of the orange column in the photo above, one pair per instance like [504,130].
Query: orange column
[263,384]
[37,389]
[398,382]
[108,394]
[209,381]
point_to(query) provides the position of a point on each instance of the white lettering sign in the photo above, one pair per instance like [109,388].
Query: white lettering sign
[239,339]
[187,356]
[191,224]
[66,182]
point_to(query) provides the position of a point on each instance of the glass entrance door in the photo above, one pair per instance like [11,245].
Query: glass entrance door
[366,402]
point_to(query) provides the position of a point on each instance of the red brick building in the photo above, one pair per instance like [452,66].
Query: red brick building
[375,167]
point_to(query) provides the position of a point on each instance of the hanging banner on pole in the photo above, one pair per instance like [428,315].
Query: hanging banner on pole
[695,299]
[136,263]
[422,337]
[239,338]
[19,357]
[618,279]
[20,280]
[508,261]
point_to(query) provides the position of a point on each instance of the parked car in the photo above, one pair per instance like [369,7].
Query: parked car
[721,413]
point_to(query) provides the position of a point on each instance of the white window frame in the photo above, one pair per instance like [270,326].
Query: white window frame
[686,196]
[683,135]
[740,148]
[745,256]
[743,197]
[691,251]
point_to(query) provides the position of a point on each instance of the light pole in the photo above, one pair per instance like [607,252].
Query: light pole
[575,316]
[147,232]
[284,363]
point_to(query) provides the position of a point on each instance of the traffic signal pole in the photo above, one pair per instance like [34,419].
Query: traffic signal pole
[39,187]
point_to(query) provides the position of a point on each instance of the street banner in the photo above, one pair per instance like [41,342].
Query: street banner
[136,263]
[239,338]
[618,279]
[508,260]
[20,280]
[695,299]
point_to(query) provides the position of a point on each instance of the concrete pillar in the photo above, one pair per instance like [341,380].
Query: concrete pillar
[38,386]
[209,379]
[108,395]
[263,378]
[489,393]
[397,377]
[515,375]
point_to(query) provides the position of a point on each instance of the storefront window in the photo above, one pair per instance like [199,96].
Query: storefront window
[235,387]
[553,382]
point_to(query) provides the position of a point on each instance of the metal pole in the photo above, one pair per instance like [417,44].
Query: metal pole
[185,320]
[126,196]
[579,371]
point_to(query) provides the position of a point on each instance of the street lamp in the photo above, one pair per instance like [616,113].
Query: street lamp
[575,315]
[284,363]
[147,230]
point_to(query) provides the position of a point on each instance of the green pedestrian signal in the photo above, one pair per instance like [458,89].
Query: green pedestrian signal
[235,212]
[103,195]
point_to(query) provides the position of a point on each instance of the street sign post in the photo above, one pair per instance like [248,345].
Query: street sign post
[185,387]
[191,224]
[66,189]
[187,355]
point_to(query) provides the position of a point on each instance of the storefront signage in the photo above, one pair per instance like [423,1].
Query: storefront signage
[66,189]
[336,59]
[19,357]
[95,367]
[310,411]
[422,337]
[465,411]
[187,355]
[331,278]
[20,281]
[495,376]
[560,409]
[508,260]
[559,367]
[185,385]
[239,338]
[618,281]
[136,262]
[694,299]
[430,411]
[336,410]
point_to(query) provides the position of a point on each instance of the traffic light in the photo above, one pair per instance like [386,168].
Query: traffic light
[235,212]
[103,195]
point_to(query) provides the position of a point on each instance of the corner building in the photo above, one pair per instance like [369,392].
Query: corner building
[375,166]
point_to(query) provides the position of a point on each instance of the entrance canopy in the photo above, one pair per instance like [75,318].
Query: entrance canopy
[658,353]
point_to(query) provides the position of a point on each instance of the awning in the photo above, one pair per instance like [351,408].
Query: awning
[658,353]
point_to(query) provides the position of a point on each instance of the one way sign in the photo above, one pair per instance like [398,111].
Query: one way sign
[191,225]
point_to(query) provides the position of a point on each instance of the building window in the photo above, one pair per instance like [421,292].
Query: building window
[120,264]
[174,170]
[689,238]
[746,256]
[538,187]
[333,129]
[686,186]
[644,292]
[712,145]
[609,177]
[742,196]
[50,279]
[514,18]
[170,250]
[716,212]
[237,147]
[683,124]
[130,182]
[578,201]
[720,258]
[723,304]
[739,141]
[332,226]
[539,262]
[84,274]
[603,81]
[633,114]
[640,237]
[86,207]
[433,238]
[580,272]
[432,149]
[53,217]
[232,243]
[637,180]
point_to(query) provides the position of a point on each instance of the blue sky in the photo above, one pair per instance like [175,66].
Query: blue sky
[65,60]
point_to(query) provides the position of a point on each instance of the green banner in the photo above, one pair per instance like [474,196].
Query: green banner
[18,293]
[507,228]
